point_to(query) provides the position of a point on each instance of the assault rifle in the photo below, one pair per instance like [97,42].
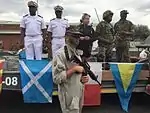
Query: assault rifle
[87,69]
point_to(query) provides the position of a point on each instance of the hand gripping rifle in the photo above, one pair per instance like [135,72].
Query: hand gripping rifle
[84,64]
[87,69]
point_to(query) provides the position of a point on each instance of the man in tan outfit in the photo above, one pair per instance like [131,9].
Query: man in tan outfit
[68,75]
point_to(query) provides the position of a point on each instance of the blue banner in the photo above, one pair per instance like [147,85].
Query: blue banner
[125,76]
[37,83]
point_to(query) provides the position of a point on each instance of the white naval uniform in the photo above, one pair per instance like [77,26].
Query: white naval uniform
[33,36]
[58,29]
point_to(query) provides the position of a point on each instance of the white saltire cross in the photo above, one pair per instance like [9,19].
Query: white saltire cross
[34,79]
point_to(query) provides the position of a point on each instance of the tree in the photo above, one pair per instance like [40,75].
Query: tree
[141,32]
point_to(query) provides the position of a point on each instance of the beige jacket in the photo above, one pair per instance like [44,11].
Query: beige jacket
[70,89]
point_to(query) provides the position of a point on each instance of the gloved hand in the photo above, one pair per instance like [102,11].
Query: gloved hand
[78,69]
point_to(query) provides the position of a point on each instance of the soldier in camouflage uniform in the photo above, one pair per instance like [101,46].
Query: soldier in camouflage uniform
[105,34]
[124,30]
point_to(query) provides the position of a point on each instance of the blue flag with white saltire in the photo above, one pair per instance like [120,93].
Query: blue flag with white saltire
[36,80]
[125,77]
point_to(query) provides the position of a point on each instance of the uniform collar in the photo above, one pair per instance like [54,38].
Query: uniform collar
[86,24]
[32,16]
[122,20]
[58,18]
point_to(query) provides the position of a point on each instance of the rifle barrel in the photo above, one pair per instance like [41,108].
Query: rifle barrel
[97,15]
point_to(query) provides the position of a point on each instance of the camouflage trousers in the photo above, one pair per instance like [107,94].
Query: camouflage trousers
[122,54]
[105,53]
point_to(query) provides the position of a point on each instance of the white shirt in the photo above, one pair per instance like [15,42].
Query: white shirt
[33,25]
[58,27]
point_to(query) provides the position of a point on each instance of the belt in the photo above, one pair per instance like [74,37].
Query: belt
[34,35]
[58,37]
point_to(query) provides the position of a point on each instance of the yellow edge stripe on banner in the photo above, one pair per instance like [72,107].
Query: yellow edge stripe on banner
[108,91]
[55,93]
[1,72]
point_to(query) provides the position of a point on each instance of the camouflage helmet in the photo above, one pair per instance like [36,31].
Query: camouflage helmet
[107,13]
[124,12]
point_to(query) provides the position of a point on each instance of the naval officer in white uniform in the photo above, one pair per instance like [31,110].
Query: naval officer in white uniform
[57,30]
[32,28]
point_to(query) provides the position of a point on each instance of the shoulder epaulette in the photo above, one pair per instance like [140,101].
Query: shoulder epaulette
[40,16]
[52,19]
[25,15]
[65,19]
[129,21]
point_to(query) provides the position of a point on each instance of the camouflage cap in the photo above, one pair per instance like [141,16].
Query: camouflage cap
[124,12]
[58,8]
[32,3]
[107,13]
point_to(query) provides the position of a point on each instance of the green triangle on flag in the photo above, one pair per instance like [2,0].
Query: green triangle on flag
[126,73]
